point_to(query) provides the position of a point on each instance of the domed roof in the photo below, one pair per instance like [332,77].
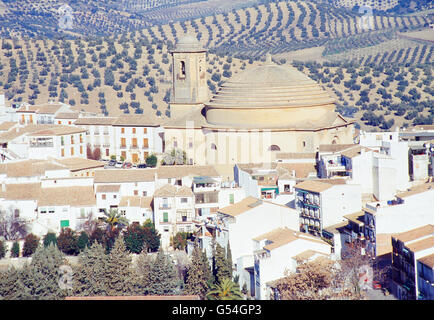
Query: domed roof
[271,96]
[188,43]
[270,86]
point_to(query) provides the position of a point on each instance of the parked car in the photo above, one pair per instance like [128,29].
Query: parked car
[118,165]
[127,165]
[141,165]
[112,163]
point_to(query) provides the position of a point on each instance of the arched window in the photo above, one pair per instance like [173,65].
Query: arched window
[274,147]
[335,140]
[213,146]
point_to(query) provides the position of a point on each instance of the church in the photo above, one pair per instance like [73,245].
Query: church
[252,116]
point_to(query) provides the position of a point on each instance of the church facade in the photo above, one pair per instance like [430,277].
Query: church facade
[253,115]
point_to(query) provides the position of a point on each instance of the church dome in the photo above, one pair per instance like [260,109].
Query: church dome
[269,96]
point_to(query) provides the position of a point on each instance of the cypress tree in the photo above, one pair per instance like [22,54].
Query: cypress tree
[89,276]
[197,275]
[229,260]
[42,275]
[221,270]
[142,271]
[118,271]
[12,287]
[163,279]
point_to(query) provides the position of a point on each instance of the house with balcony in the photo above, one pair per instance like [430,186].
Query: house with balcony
[425,277]
[271,180]
[239,224]
[408,248]
[279,251]
[330,162]
[137,137]
[173,212]
[323,203]
[405,211]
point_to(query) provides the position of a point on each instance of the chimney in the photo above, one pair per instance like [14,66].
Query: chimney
[3,186]
[128,202]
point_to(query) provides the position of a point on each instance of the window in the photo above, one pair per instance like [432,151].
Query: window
[231,198]
[274,148]
[72,139]
[72,151]
[69,122]
[107,152]
[43,210]
[123,142]
[136,193]
[165,217]
[114,196]
[145,130]
[145,143]
[183,200]
[122,130]
[103,196]
[134,130]
[62,142]
[304,144]
[145,193]
[81,138]
[62,152]
[134,142]
[182,68]
[81,149]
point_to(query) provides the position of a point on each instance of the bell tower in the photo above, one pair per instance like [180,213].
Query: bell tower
[189,86]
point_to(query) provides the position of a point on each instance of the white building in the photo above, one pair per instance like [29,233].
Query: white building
[136,208]
[323,203]
[173,212]
[241,222]
[409,281]
[276,252]
[100,133]
[408,210]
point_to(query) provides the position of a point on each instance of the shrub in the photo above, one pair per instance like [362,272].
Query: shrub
[2,249]
[134,238]
[67,242]
[15,251]
[83,241]
[50,237]
[31,243]
[151,161]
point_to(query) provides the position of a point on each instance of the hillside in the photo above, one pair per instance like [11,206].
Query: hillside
[130,72]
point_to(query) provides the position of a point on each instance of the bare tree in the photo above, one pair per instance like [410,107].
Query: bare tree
[12,227]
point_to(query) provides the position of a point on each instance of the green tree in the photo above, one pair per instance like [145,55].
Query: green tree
[11,285]
[118,272]
[50,237]
[152,237]
[221,269]
[67,242]
[151,161]
[163,278]
[82,241]
[15,250]
[88,278]
[179,240]
[42,276]
[226,290]
[197,274]
[142,273]
[2,249]
[31,243]
[134,237]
